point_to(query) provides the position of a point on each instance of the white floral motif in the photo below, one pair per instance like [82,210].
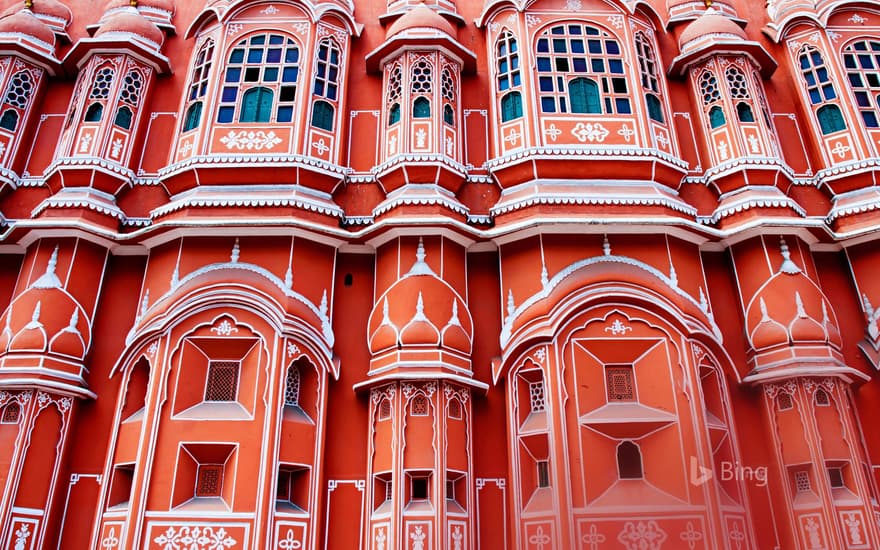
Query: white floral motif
[853,523]
[857,19]
[2,149]
[195,538]
[380,539]
[691,536]
[154,347]
[270,10]
[553,132]
[289,542]
[573,5]
[320,146]
[589,132]
[224,329]
[84,143]
[532,20]
[292,349]
[21,537]
[111,540]
[249,139]
[594,538]
[840,149]
[234,28]
[418,538]
[722,150]
[626,132]
[116,148]
[539,539]
[617,328]
[540,354]
[813,533]
[512,136]
[616,21]
[421,135]
[456,538]
[642,536]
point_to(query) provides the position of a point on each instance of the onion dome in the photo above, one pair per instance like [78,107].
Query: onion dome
[791,310]
[23,24]
[421,18]
[46,318]
[158,12]
[129,22]
[420,311]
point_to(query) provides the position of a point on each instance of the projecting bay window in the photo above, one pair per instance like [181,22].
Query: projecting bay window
[222,382]
[649,78]
[326,86]
[862,63]
[259,81]
[99,94]
[15,101]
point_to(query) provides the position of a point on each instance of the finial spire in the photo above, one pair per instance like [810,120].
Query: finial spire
[49,279]
[236,251]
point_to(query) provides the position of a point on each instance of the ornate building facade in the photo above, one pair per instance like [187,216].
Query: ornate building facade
[545,274]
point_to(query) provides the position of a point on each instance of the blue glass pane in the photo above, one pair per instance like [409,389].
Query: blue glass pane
[273,55]
[822,74]
[557,30]
[319,87]
[577,46]
[258,40]
[229,94]
[289,74]
[611,47]
[598,65]
[237,56]
[622,105]
[562,64]
[849,61]
[502,49]
[544,64]
[275,40]
[579,64]
[285,113]
[333,75]
[331,91]
[225,114]
[543,46]
[322,53]
[594,46]
[592,32]
[815,97]
[856,80]
[548,105]
[574,29]
[270,74]
[870,119]
[805,63]
[503,83]
[513,46]
[811,80]
[615,66]
[334,57]
[502,66]
[233,75]
[255,56]
[546,84]
[291,55]
[863,99]
[816,58]
[828,91]
[516,80]
[559,45]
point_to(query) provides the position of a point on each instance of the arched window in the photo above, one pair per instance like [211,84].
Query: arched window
[322,115]
[744,112]
[862,63]
[395,91]
[421,108]
[422,88]
[193,116]
[820,89]
[9,120]
[385,409]
[739,91]
[419,406]
[822,398]
[711,97]
[16,99]
[649,78]
[511,106]
[11,414]
[99,93]
[629,461]
[94,112]
[259,69]
[583,95]
[123,118]
[256,105]
[716,117]
[784,402]
[326,85]
[394,114]
[198,86]
[454,409]
[291,387]
[570,52]
[509,77]
[830,119]
[447,89]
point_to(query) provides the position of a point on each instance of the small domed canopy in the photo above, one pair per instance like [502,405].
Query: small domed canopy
[26,25]
[55,15]
[711,24]
[129,21]
[713,33]
[158,12]
[421,17]
[421,27]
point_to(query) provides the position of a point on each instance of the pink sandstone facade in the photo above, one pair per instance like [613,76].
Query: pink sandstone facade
[545,274]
